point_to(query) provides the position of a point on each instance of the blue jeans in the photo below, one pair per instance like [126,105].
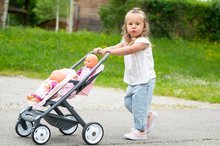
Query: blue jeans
[137,100]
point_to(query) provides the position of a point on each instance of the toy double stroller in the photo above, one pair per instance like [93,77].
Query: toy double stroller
[29,119]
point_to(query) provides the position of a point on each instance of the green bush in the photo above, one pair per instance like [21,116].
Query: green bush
[113,17]
[169,18]
[212,22]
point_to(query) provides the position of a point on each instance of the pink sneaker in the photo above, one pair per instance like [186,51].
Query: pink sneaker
[135,135]
[151,122]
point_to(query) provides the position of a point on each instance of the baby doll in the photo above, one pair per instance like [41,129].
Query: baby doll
[46,86]
[90,61]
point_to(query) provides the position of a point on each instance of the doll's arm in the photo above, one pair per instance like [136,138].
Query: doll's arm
[48,86]
[75,76]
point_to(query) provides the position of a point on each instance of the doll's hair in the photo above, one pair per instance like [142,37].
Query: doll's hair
[146,31]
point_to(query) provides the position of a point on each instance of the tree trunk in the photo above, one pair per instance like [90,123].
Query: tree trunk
[57,16]
[5,13]
[70,23]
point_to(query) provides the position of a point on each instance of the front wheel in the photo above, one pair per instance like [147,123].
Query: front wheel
[23,128]
[41,134]
[92,133]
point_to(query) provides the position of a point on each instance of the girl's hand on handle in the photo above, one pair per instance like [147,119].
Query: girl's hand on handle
[104,51]
[97,50]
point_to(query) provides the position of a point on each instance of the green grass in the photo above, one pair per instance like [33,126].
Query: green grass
[188,69]
[185,69]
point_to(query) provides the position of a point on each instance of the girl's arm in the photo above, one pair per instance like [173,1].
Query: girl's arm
[120,50]
[97,50]
[119,45]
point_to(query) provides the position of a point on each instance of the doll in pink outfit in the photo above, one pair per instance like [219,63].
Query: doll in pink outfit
[46,86]
[90,61]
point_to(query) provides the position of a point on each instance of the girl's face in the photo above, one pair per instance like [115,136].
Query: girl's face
[135,24]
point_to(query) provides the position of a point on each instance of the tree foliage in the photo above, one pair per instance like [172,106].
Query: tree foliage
[46,9]
[20,4]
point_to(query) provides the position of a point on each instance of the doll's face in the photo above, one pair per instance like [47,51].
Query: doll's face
[91,60]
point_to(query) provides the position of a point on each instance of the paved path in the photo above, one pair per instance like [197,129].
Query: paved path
[15,89]
[180,123]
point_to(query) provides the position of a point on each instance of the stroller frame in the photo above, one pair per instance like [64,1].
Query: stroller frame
[29,119]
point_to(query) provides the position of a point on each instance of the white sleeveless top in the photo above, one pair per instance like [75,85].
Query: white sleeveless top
[139,66]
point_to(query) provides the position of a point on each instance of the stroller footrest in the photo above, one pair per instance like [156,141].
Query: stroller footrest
[30,115]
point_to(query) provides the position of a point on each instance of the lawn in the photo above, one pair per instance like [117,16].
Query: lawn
[185,69]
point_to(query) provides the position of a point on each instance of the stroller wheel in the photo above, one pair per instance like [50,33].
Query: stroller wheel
[23,128]
[92,133]
[72,129]
[41,134]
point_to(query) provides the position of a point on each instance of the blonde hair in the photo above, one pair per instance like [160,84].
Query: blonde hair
[126,36]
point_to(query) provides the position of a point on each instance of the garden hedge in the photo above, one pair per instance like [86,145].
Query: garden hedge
[168,18]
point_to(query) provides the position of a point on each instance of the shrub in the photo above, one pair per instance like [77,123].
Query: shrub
[168,18]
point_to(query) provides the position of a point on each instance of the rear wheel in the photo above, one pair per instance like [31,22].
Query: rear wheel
[92,133]
[72,129]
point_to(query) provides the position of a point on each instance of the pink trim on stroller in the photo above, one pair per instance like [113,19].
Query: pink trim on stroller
[64,87]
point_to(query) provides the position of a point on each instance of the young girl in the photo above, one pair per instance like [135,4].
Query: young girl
[139,71]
